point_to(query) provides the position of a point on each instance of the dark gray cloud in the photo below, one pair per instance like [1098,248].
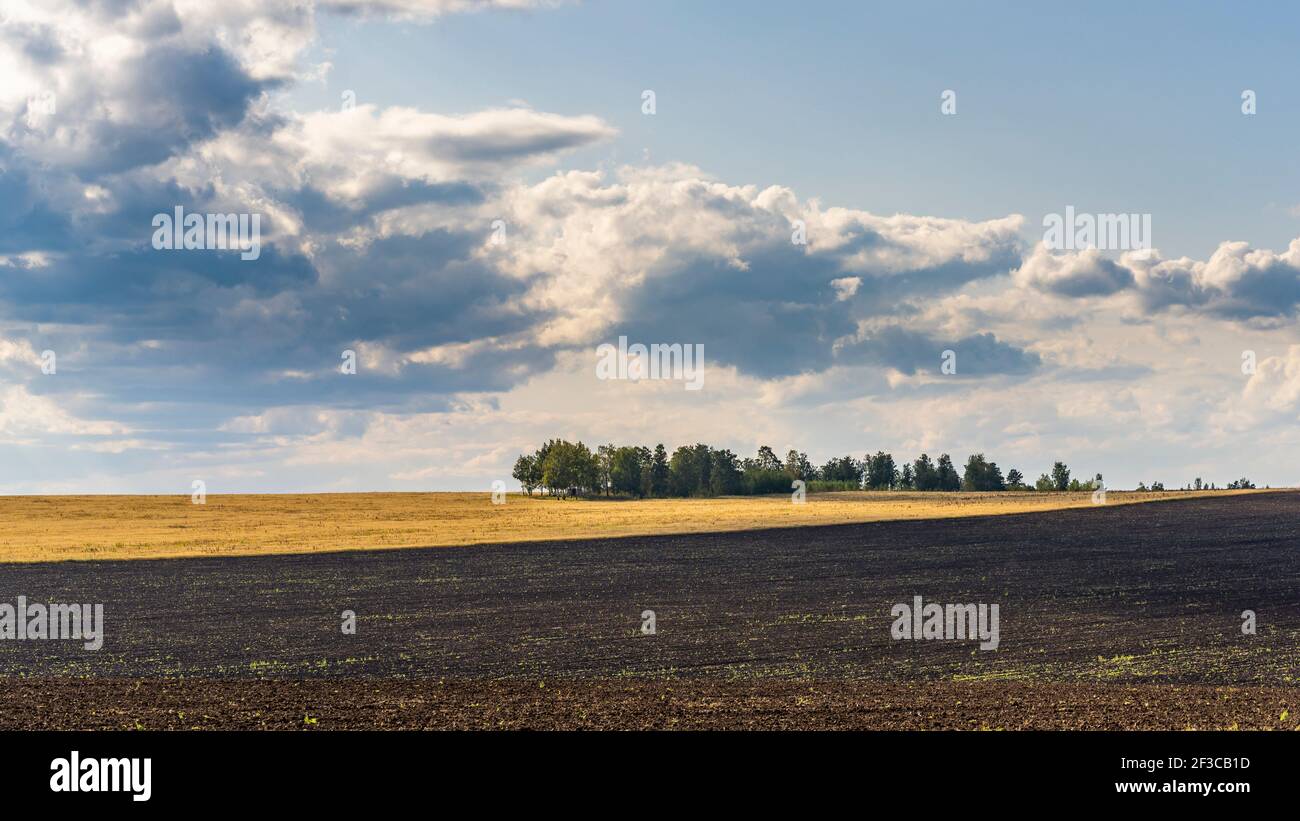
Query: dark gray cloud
[29,220]
[775,318]
[780,315]
[38,43]
[908,351]
[176,98]
[324,214]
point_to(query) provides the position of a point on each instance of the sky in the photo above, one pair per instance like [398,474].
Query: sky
[832,199]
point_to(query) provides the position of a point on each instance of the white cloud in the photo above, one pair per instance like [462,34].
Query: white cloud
[24,415]
[1085,273]
[1236,282]
[350,154]
[588,244]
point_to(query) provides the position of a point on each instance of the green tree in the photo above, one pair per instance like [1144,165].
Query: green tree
[881,473]
[924,474]
[724,473]
[981,474]
[948,478]
[570,467]
[1061,476]
[559,470]
[689,471]
[764,474]
[625,471]
[588,469]
[704,463]
[645,457]
[659,472]
[843,469]
[797,465]
[528,473]
[605,462]
[540,457]
[767,459]
[682,474]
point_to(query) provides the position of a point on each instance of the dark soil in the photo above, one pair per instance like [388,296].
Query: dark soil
[683,704]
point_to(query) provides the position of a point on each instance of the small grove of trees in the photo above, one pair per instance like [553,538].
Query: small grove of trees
[563,468]
[940,475]
[560,467]
[1059,480]
[1236,484]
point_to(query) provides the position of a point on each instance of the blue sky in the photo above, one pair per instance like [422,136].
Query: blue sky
[1123,106]
[924,235]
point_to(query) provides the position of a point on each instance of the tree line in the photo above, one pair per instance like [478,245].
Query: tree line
[560,467]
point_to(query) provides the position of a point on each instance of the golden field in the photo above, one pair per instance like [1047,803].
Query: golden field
[57,528]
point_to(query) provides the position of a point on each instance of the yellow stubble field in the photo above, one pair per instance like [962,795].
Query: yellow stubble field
[58,528]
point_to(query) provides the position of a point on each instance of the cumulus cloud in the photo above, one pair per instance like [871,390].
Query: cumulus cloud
[1086,273]
[670,254]
[1275,385]
[1271,395]
[101,88]
[1237,282]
